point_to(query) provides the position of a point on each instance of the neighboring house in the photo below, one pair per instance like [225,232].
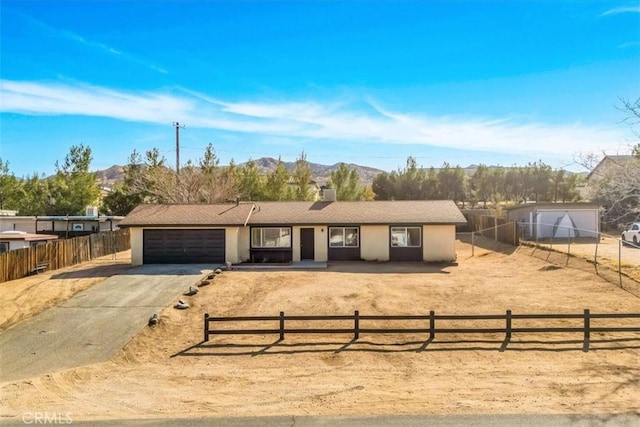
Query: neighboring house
[12,240]
[73,226]
[294,231]
[607,164]
[18,223]
[557,220]
[63,226]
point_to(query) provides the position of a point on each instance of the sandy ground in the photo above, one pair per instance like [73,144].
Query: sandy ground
[26,297]
[166,371]
[609,252]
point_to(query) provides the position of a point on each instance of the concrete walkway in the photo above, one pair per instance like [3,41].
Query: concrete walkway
[94,324]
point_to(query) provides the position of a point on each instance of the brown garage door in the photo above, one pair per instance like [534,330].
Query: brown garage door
[183,246]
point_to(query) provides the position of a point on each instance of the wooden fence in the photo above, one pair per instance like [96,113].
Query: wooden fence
[585,329]
[62,253]
[492,227]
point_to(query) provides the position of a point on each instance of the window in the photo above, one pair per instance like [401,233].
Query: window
[344,237]
[405,237]
[271,237]
[4,247]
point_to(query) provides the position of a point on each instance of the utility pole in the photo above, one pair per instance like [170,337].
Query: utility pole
[177,126]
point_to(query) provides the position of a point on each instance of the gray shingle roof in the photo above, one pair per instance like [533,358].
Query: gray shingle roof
[302,213]
[187,215]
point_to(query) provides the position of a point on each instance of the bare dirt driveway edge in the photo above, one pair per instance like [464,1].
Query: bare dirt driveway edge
[96,323]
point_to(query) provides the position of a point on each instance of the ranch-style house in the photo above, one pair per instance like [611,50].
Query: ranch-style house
[283,232]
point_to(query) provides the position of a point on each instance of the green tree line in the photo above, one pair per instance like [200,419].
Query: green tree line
[149,179]
[486,186]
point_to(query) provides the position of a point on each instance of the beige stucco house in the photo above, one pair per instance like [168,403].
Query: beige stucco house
[282,232]
[11,240]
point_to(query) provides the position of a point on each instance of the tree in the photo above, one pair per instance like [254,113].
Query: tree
[10,188]
[452,183]
[250,186]
[217,186]
[541,181]
[346,182]
[119,201]
[631,109]
[383,186]
[617,187]
[277,188]
[480,184]
[73,186]
[301,178]
[618,191]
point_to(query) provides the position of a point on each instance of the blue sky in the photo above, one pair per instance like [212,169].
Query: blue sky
[494,82]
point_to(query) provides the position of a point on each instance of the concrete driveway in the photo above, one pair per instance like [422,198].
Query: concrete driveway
[96,323]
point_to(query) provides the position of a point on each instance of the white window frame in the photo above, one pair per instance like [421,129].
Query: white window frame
[261,237]
[406,233]
[344,237]
[8,246]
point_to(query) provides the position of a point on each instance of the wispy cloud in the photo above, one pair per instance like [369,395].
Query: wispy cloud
[618,10]
[308,120]
[69,35]
[628,45]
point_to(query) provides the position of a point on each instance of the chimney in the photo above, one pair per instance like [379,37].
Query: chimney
[329,195]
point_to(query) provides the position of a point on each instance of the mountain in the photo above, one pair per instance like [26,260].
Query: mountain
[108,177]
[319,173]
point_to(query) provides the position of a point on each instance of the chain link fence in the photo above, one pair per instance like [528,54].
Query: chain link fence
[604,254]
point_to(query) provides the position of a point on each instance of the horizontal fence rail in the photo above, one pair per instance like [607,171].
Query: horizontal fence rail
[586,328]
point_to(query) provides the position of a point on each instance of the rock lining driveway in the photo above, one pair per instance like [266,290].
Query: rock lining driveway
[96,323]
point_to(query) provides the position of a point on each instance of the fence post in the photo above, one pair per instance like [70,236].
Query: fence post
[587,330]
[282,326]
[432,325]
[508,317]
[595,255]
[473,246]
[620,261]
[206,327]
[356,325]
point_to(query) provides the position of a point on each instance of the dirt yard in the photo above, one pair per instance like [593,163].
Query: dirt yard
[31,295]
[166,371]
[608,251]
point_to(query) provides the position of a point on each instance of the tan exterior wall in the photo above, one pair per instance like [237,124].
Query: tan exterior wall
[319,243]
[244,244]
[135,235]
[295,243]
[374,242]
[439,242]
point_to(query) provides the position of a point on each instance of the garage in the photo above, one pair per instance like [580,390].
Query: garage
[556,220]
[184,246]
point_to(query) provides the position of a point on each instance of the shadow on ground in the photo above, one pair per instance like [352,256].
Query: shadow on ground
[280,347]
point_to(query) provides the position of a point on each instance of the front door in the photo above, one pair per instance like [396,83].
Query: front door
[307,243]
